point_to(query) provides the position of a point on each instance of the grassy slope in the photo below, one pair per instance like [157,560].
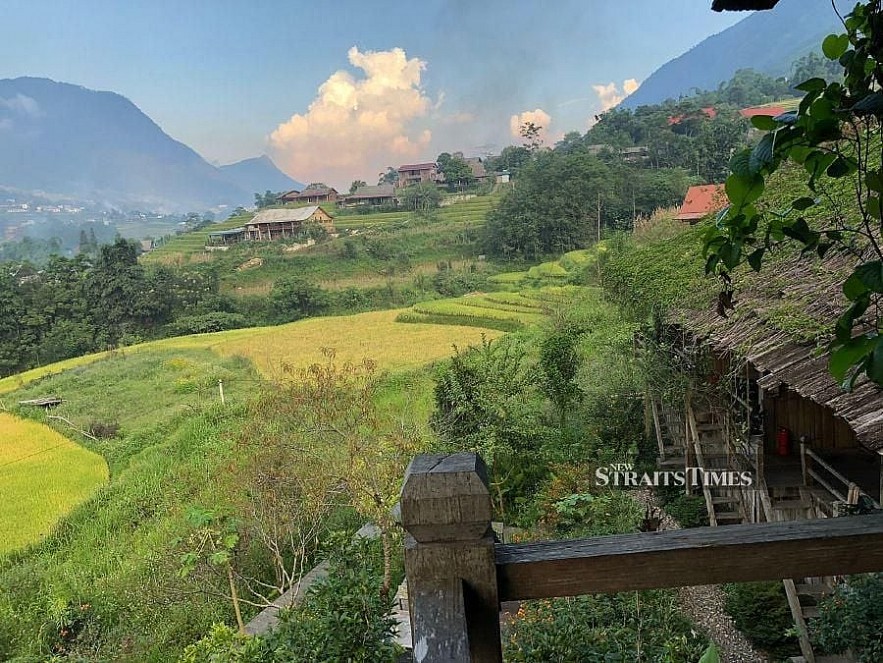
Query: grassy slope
[43,475]
[177,448]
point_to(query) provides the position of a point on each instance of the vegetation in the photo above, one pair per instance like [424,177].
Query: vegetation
[851,617]
[45,476]
[834,134]
[760,611]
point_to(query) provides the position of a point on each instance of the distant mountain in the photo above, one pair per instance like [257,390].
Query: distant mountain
[259,174]
[67,140]
[766,41]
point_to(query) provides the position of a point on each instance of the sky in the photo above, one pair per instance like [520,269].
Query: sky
[335,90]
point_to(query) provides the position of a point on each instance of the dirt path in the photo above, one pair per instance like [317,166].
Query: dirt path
[704,605]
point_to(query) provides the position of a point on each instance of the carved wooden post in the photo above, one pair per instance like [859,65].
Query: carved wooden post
[449,560]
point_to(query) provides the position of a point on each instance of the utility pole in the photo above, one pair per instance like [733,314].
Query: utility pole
[599,216]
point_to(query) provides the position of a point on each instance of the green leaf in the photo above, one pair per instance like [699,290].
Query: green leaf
[849,354]
[711,263]
[853,287]
[874,180]
[764,123]
[744,190]
[711,655]
[812,85]
[841,167]
[755,259]
[873,207]
[871,104]
[834,46]
[822,249]
[762,154]
[739,163]
[803,203]
[871,275]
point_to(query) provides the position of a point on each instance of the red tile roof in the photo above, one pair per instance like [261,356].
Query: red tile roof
[701,201]
[772,111]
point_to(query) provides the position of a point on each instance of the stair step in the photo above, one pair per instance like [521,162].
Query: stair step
[810,612]
[792,504]
[728,515]
[816,591]
[679,461]
[724,500]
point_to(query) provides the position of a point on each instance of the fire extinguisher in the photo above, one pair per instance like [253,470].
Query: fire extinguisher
[783,446]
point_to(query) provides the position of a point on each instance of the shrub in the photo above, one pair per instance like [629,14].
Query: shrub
[760,610]
[851,618]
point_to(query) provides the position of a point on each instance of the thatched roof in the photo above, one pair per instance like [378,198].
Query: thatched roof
[742,5]
[779,299]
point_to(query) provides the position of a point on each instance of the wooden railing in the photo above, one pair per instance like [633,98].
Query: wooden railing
[814,468]
[458,575]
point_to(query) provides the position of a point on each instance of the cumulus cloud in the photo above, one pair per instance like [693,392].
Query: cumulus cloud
[611,94]
[538,116]
[357,125]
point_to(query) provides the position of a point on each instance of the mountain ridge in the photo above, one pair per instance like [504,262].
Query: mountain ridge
[98,146]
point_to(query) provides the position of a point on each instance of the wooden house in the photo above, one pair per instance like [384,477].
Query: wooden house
[418,173]
[272,224]
[315,194]
[382,195]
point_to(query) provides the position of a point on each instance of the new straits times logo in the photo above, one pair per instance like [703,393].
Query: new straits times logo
[623,475]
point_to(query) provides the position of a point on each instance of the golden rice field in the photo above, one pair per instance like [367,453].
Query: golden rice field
[376,335]
[43,476]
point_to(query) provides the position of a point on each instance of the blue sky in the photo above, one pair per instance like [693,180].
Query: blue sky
[227,76]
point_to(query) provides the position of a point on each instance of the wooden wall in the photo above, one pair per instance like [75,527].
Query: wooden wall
[803,417]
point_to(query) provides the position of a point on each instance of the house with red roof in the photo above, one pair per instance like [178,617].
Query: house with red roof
[701,201]
[771,111]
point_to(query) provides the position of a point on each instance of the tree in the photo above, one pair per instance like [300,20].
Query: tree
[389,176]
[560,362]
[421,197]
[530,133]
[295,297]
[455,169]
[512,159]
[266,199]
[835,135]
[356,185]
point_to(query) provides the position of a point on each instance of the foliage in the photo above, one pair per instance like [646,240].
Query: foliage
[295,297]
[687,510]
[632,626]
[455,169]
[346,616]
[559,362]
[421,197]
[266,199]
[851,618]
[836,133]
[224,645]
[356,185]
[760,611]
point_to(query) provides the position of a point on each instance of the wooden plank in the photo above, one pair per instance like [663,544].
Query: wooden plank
[699,556]
[799,621]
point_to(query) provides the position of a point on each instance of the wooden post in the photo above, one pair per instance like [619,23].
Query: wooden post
[804,468]
[449,560]
[221,391]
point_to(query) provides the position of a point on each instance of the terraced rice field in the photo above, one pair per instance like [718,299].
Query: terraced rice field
[376,336]
[43,476]
[507,311]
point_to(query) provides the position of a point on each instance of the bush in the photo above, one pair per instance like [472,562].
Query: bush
[205,323]
[688,510]
[760,610]
[344,617]
[851,618]
[632,626]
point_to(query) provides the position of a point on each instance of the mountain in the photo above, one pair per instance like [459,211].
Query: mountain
[766,41]
[68,141]
[259,174]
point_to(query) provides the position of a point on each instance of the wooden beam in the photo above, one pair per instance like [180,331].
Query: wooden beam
[700,556]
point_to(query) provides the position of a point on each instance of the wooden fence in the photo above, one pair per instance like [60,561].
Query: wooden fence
[458,575]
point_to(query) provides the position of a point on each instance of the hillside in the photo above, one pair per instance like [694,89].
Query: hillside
[69,141]
[766,41]
[258,175]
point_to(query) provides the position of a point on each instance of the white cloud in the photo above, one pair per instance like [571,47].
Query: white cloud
[357,125]
[610,95]
[22,105]
[538,116]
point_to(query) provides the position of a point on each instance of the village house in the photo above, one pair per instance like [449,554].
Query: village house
[417,173]
[382,195]
[315,194]
[273,224]
[700,201]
